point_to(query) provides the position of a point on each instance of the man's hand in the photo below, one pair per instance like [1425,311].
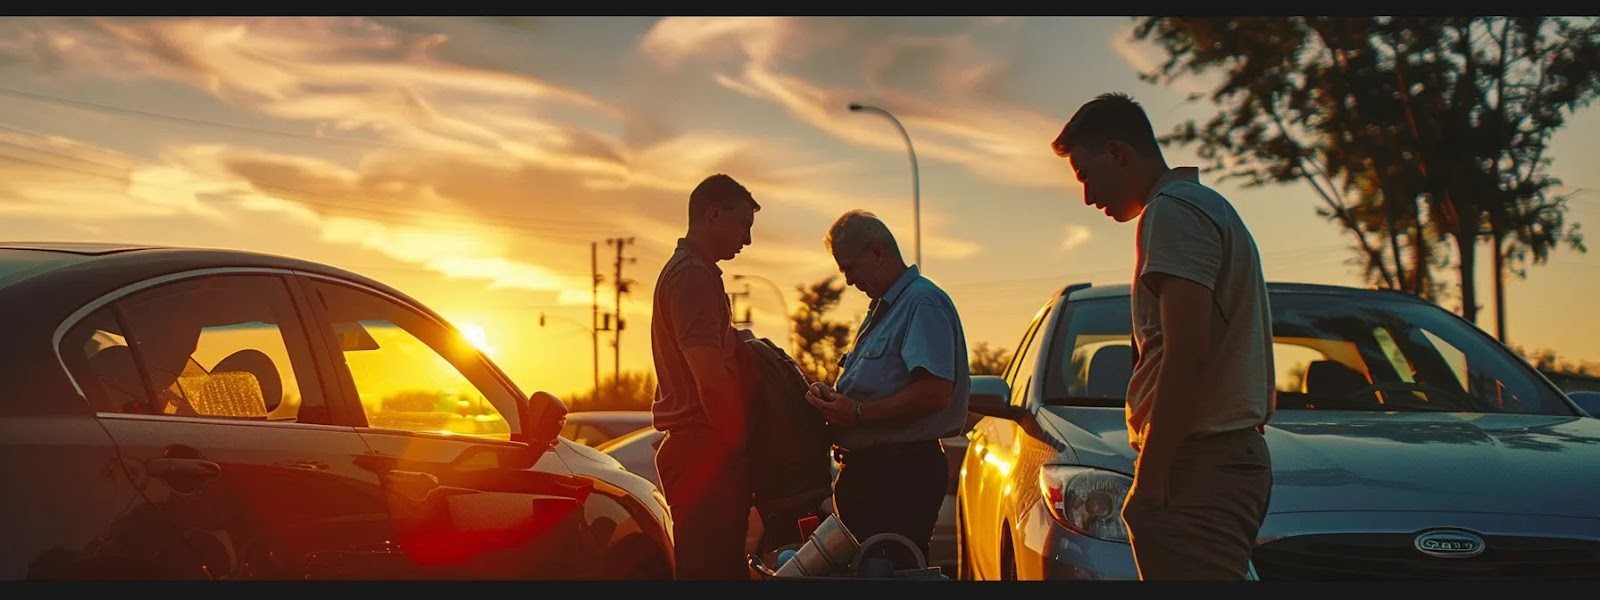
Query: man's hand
[836,408]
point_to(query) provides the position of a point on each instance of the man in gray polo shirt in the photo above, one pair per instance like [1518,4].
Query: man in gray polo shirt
[1202,388]
[700,402]
[903,387]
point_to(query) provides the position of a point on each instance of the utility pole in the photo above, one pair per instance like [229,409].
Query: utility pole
[733,306]
[594,319]
[621,286]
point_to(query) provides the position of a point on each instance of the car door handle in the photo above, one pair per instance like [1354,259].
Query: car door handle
[413,483]
[185,468]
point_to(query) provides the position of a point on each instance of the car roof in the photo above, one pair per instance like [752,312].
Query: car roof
[80,248]
[71,262]
[1088,291]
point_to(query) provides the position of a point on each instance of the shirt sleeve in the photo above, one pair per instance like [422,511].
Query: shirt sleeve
[1180,240]
[930,341]
[696,308]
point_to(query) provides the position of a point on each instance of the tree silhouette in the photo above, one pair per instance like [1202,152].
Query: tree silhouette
[1548,361]
[1415,132]
[819,341]
[989,360]
[629,390]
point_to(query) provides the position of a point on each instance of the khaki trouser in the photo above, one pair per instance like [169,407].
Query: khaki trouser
[1217,496]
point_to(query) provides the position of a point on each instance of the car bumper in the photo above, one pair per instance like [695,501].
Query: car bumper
[1364,545]
[1046,550]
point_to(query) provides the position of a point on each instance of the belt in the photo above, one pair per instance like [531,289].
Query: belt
[1259,429]
[839,452]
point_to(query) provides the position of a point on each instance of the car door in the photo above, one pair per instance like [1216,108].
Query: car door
[207,385]
[996,445]
[466,500]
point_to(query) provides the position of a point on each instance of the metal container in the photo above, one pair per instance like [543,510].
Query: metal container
[830,549]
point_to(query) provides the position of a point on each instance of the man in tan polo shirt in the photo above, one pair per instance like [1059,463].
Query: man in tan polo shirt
[1202,386]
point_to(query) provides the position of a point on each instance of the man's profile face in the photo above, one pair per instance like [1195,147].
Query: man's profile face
[861,270]
[1102,168]
[731,228]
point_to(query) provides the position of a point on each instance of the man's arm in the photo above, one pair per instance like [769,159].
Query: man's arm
[1186,311]
[927,394]
[929,352]
[719,393]
[1183,260]
[700,330]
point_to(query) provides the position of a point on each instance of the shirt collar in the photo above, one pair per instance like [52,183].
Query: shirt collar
[687,247]
[900,285]
[1173,174]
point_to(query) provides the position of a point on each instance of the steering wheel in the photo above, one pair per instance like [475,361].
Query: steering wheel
[1433,391]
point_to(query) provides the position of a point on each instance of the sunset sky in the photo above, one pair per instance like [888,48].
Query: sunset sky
[472,161]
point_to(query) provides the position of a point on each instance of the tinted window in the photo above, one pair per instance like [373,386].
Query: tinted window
[1027,357]
[218,347]
[413,373]
[1332,353]
[100,360]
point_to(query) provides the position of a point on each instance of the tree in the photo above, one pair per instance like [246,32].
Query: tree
[1414,132]
[1549,362]
[819,341]
[629,390]
[989,360]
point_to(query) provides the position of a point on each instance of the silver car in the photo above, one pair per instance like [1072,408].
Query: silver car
[1407,444]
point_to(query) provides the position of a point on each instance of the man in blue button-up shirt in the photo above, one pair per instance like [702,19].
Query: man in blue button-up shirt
[903,387]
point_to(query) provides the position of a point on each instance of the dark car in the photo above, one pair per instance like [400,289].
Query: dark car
[214,414]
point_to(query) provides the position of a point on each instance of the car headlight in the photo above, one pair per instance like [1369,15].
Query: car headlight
[1087,501]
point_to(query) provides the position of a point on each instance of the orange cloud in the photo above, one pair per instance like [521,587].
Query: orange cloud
[958,117]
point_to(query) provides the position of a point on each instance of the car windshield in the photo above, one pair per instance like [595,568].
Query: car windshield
[1331,352]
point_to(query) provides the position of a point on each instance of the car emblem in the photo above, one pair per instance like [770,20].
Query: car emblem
[1449,543]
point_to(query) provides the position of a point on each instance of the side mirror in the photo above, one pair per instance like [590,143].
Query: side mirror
[1587,400]
[543,417]
[990,396]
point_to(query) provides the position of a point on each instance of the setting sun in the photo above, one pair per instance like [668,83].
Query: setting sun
[477,336]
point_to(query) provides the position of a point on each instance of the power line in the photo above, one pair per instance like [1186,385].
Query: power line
[95,106]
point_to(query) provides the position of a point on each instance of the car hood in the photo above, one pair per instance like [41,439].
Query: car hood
[1337,460]
[584,460]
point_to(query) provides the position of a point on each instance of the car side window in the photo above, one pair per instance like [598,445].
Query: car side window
[224,346]
[1022,368]
[411,372]
[100,361]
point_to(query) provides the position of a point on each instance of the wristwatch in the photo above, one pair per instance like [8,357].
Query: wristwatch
[858,413]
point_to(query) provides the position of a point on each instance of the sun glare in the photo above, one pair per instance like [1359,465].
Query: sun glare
[476,336]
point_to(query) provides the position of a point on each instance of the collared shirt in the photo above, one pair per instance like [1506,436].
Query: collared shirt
[914,325]
[690,308]
[1189,230]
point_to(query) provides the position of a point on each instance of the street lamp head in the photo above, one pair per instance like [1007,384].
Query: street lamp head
[856,106]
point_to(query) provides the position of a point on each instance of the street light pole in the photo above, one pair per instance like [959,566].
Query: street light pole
[788,317]
[916,185]
[588,328]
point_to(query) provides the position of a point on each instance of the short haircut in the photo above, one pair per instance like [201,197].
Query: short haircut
[1109,116]
[719,190]
[853,231]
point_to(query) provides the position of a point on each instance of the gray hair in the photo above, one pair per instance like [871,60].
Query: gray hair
[855,230]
